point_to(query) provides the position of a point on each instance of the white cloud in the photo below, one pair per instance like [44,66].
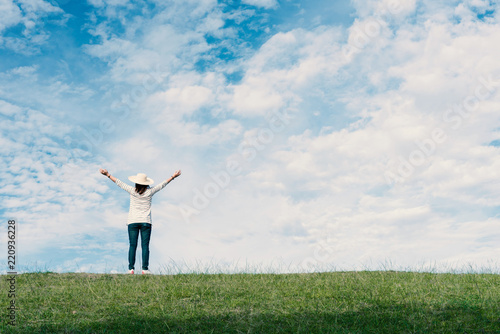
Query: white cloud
[52,193]
[166,40]
[284,66]
[193,134]
[8,109]
[187,99]
[25,71]
[267,4]
[112,48]
[10,15]
[386,8]
[34,8]
[136,153]
[255,97]
[162,48]
[190,113]
[31,14]
[102,3]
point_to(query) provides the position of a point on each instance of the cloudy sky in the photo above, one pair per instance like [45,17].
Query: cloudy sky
[311,135]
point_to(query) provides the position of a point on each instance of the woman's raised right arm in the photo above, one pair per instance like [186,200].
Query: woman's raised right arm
[162,185]
[106,173]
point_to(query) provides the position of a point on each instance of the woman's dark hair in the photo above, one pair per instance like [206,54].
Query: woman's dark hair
[140,188]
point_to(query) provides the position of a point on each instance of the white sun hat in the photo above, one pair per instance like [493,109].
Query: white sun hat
[141,178]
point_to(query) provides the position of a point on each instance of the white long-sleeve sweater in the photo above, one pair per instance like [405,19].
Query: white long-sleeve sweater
[140,205]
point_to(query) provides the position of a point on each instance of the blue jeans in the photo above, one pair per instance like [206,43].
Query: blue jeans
[133,236]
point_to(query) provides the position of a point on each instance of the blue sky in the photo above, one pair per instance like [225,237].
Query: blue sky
[312,135]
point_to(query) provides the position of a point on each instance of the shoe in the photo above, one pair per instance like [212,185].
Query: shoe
[146,272]
[131,271]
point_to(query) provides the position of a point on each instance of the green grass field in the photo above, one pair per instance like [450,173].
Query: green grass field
[338,302]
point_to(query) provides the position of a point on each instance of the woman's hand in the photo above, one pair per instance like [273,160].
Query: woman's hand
[177,173]
[106,173]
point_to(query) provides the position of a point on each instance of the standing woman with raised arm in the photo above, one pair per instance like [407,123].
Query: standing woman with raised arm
[139,215]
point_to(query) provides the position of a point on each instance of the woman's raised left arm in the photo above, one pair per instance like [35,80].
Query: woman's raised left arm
[106,173]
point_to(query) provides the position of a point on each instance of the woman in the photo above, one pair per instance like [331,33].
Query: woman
[139,215]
